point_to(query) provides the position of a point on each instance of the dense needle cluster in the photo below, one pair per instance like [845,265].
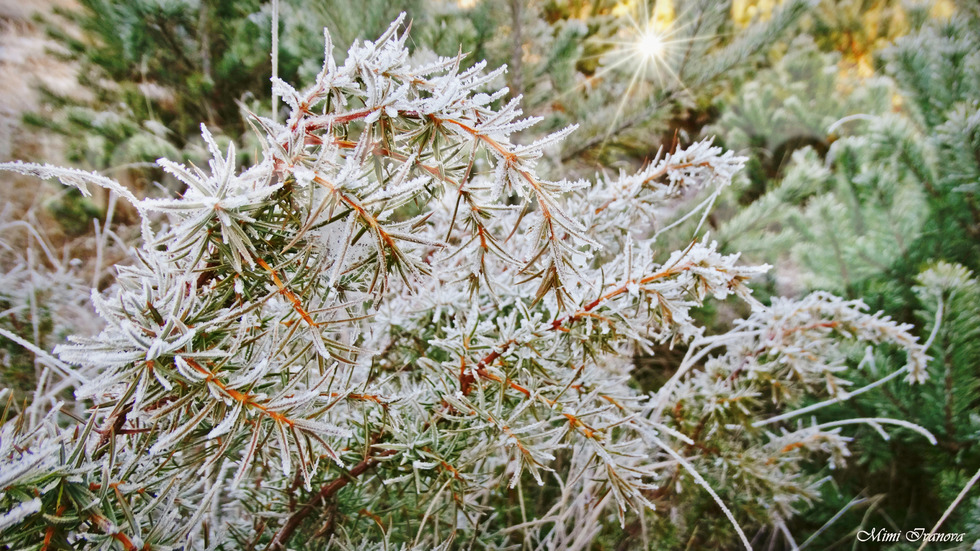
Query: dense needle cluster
[394,330]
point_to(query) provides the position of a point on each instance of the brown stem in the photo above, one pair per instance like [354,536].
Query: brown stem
[466,379]
[325,493]
[113,427]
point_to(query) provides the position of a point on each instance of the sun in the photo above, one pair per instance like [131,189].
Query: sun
[651,45]
[649,48]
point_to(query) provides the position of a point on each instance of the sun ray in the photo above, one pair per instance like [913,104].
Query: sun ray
[651,46]
[653,42]
[619,108]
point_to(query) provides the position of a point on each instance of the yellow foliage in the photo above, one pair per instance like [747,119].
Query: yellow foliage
[663,15]
[942,9]
[745,11]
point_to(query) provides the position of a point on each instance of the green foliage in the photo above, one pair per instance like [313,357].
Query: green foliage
[904,481]
[153,70]
[882,205]
[791,106]
[73,212]
[895,191]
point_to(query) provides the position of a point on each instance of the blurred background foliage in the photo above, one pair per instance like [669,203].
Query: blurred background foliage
[860,120]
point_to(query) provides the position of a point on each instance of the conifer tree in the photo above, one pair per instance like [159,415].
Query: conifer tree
[880,203]
[155,70]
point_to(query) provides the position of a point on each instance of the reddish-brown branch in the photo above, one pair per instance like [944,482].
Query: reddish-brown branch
[466,379]
[114,426]
[245,399]
[326,492]
[284,290]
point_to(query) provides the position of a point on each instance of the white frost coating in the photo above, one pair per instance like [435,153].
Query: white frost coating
[18,512]
[71,177]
